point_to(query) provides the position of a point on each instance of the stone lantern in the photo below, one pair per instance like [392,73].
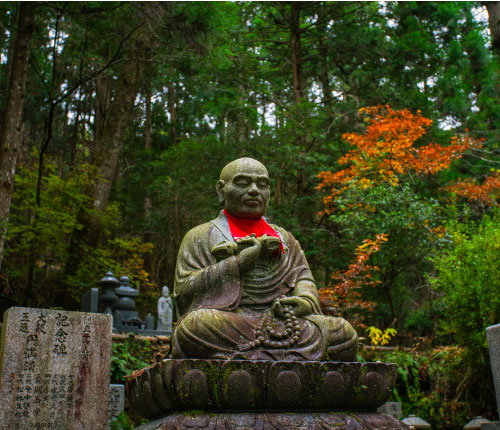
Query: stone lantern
[126,295]
[475,423]
[108,297]
[416,422]
[126,318]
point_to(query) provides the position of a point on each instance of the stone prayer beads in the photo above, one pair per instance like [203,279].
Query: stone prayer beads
[269,334]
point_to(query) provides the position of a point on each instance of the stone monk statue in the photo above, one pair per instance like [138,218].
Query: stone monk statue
[243,288]
[165,310]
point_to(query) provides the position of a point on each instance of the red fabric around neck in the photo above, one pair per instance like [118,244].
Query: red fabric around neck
[241,227]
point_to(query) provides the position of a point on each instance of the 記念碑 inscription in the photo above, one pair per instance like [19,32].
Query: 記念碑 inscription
[54,370]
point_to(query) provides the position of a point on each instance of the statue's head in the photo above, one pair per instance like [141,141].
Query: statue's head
[243,188]
[165,291]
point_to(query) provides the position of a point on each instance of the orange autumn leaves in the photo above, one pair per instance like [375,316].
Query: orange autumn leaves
[486,193]
[345,292]
[386,152]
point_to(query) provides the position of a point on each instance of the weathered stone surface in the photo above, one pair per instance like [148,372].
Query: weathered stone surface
[277,421]
[493,336]
[391,408]
[54,370]
[90,300]
[116,400]
[189,384]
[491,426]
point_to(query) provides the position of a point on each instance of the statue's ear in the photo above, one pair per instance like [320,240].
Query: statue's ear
[220,190]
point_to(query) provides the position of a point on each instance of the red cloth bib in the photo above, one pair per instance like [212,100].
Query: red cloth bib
[241,227]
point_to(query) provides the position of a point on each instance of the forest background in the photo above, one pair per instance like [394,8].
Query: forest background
[378,123]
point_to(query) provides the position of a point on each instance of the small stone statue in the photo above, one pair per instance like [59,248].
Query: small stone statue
[165,310]
[243,287]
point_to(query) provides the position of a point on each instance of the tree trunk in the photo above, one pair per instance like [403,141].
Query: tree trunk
[494,22]
[103,96]
[12,124]
[298,84]
[172,109]
[111,143]
[147,143]
[323,75]
[147,197]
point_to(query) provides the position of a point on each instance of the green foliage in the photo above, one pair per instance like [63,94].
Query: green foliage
[440,385]
[122,422]
[410,221]
[468,276]
[42,237]
[127,357]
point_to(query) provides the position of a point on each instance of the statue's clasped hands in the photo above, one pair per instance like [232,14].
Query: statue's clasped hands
[250,247]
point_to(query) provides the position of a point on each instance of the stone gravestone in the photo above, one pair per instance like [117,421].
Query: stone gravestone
[90,300]
[493,336]
[54,370]
[116,400]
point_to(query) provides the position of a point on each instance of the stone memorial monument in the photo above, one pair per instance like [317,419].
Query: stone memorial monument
[90,301]
[165,310]
[116,400]
[251,344]
[493,337]
[54,370]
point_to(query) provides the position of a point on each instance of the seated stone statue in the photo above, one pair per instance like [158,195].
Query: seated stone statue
[243,288]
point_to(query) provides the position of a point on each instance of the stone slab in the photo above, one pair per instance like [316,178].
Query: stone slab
[90,300]
[276,421]
[116,400]
[493,336]
[54,370]
[392,409]
[491,426]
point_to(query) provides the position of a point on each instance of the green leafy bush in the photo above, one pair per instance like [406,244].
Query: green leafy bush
[127,357]
[439,385]
[121,422]
[468,276]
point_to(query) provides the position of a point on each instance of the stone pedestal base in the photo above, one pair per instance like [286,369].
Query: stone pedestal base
[259,385]
[491,426]
[276,421]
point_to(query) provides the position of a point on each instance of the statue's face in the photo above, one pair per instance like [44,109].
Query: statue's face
[165,292]
[244,188]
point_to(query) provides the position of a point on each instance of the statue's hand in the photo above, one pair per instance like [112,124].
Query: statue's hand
[300,306]
[223,250]
[249,255]
[270,243]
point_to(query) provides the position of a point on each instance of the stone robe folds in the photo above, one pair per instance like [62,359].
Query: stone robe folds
[219,309]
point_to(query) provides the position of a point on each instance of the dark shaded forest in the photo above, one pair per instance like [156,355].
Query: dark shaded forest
[378,123]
